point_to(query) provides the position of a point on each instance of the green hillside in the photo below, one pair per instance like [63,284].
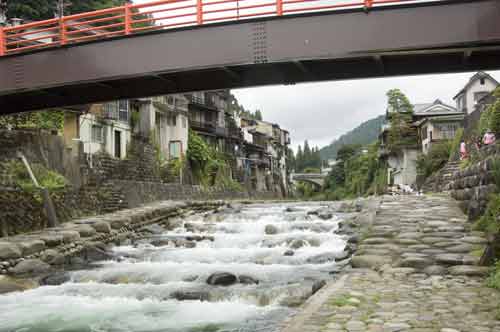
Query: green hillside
[365,133]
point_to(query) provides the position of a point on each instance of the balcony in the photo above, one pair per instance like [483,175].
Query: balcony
[209,127]
[202,102]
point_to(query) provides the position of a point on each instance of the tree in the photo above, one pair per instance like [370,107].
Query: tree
[299,160]
[258,115]
[398,102]
[400,110]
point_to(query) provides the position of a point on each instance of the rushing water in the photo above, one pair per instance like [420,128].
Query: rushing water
[137,292]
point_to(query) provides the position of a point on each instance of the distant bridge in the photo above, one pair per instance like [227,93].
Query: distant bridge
[317,179]
[168,46]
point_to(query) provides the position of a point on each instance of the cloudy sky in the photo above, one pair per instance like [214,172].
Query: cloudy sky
[320,112]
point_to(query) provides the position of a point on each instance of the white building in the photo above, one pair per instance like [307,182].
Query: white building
[104,128]
[479,86]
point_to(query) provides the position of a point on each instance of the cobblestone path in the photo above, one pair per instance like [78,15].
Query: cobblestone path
[415,270]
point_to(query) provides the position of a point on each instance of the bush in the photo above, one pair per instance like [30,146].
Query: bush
[455,144]
[46,178]
[488,222]
[494,113]
[435,159]
[493,280]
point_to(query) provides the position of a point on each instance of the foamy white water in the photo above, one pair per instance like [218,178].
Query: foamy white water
[138,293]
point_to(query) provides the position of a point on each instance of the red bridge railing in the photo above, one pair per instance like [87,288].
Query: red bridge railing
[163,14]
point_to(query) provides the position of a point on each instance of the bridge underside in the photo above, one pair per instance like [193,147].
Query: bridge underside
[449,36]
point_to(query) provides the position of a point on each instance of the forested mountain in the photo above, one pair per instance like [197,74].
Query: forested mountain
[365,133]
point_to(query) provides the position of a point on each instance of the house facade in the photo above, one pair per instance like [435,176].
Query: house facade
[436,122]
[480,85]
[100,128]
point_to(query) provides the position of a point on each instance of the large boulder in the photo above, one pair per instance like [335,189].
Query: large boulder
[9,251]
[322,258]
[30,247]
[85,230]
[56,279]
[96,253]
[70,236]
[325,215]
[8,285]
[271,230]
[102,227]
[222,279]
[52,239]
[153,229]
[30,266]
[318,285]
[53,257]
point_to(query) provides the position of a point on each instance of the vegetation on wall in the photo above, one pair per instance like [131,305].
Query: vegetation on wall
[48,120]
[437,156]
[210,168]
[46,178]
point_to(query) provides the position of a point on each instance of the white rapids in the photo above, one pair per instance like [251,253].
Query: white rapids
[135,294]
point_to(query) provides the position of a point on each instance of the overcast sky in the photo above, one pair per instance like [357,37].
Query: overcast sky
[320,112]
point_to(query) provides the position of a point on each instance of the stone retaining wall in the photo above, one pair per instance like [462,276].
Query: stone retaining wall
[472,186]
[79,241]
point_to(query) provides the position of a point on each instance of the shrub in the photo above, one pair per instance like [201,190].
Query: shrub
[46,178]
[494,113]
[493,280]
[455,144]
[488,222]
[435,159]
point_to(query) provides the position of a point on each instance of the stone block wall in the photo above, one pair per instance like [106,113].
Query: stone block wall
[472,186]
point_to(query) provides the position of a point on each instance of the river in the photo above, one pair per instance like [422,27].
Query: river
[277,252]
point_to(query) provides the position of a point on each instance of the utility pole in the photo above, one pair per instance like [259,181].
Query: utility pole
[3,12]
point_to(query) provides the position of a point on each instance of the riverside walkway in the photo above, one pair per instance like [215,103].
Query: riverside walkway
[415,270]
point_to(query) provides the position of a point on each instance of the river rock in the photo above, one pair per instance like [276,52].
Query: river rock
[247,280]
[325,215]
[8,285]
[271,230]
[102,227]
[30,266]
[85,230]
[70,236]
[292,209]
[56,279]
[52,240]
[435,270]
[297,243]
[53,257]
[31,246]
[469,270]
[222,279]
[182,295]
[153,229]
[160,242]
[318,285]
[95,253]
[9,251]
[322,258]
[289,253]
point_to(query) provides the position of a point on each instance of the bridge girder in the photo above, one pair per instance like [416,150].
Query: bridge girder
[387,41]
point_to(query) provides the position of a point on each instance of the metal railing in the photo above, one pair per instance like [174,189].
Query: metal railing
[158,15]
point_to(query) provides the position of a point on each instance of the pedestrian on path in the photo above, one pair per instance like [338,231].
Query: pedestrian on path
[463,150]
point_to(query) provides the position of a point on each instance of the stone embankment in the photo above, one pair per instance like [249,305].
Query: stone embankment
[82,241]
[415,270]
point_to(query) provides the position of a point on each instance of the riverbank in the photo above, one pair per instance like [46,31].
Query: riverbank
[82,241]
[415,270]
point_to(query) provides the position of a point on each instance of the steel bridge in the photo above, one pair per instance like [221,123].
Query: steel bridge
[177,46]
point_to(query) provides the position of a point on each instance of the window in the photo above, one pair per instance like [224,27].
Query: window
[424,132]
[481,81]
[448,130]
[184,122]
[174,148]
[97,136]
[479,95]
[111,110]
[170,100]
[123,110]
[172,120]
